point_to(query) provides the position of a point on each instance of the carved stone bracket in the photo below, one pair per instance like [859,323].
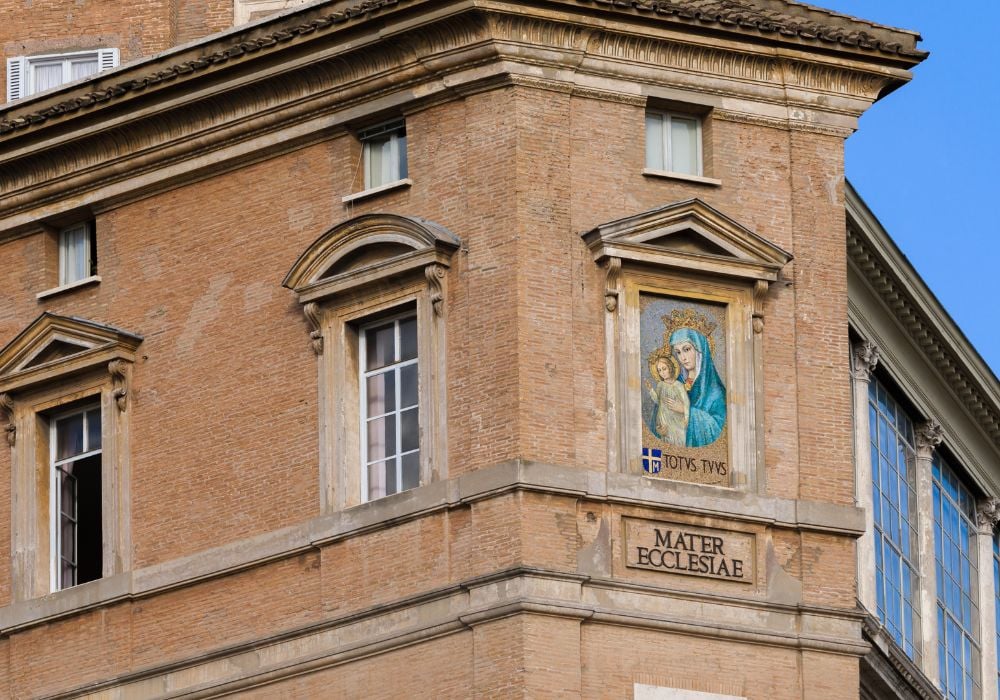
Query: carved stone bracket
[312,314]
[614,268]
[988,515]
[119,378]
[434,274]
[759,292]
[866,357]
[7,409]
[929,436]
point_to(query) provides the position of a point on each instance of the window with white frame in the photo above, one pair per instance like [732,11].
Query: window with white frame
[957,584]
[77,253]
[673,143]
[384,153]
[390,407]
[894,505]
[27,75]
[75,497]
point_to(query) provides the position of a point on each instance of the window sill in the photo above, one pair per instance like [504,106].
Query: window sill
[85,282]
[682,176]
[405,182]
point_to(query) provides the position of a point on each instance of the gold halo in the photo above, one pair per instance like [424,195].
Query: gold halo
[658,354]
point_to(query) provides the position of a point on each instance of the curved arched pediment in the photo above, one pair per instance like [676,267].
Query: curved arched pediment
[367,248]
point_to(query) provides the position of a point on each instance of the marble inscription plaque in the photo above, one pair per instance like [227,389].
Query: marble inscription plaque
[691,551]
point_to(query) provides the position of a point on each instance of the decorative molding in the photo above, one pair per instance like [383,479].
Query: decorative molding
[313,317]
[759,294]
[614,270]
[7,409]
[927,335]
[866,357]
[929,435]
[988,515]
[834,79]
[608,96]
[118,370]
[434,274]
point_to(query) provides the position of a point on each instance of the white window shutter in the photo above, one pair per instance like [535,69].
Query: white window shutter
[107,59]
[17,77]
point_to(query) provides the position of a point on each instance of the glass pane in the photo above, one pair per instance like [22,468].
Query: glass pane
[391,478]
[410,429]
[380,347]
[94,430]
[381,393]
[407,339]
[411,471]
[381,438]
[73,257]
[404,166]
[47,75]
[684,145]
[374,159]
[377,478]
[81,69]
[69,436]
[654,142]
[408,386]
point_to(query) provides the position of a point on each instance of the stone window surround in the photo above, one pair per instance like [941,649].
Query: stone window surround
[337,305]
[101,371]
[637,257]
[866,356]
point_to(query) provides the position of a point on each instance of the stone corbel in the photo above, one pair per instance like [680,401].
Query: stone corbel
[118,369]
[929,436]
[759,292]
[7,410]
[434,275]
[988,515]
[614,270]
[313,318]
[866,357]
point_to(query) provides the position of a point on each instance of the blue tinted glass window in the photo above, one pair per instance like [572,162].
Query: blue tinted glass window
[957,589]
[895,504]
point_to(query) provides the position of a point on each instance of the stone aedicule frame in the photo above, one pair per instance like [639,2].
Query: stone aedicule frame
[55,362]
[688,251]
[358,271]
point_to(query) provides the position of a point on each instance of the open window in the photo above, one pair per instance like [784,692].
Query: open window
[684,294]
[27,75]
[373,293]
[64,392]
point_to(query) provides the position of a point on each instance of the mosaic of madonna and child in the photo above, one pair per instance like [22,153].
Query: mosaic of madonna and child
[683,351]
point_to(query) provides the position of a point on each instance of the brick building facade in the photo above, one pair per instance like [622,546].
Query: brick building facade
[336,352]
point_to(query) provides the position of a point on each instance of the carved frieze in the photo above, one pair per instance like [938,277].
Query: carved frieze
[866,356]
[988,515]
[928,436]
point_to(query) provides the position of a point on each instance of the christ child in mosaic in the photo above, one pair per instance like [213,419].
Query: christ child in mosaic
[671,405]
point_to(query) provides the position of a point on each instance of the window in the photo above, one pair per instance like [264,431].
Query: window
[64,396]
[373,292]
[384,153]
[390,407]
[75,497]
[27,75]
[673,143]
[894,506]
[957,584]
[77,253]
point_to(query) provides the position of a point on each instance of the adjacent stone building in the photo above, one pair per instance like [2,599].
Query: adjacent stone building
[487,348]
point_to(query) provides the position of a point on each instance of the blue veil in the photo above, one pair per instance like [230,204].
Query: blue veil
[707,395]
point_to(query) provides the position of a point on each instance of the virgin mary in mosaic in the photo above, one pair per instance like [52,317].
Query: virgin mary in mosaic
[684,389]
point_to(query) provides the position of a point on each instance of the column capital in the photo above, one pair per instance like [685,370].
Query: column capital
[866,356]
[928,436]
[987,515]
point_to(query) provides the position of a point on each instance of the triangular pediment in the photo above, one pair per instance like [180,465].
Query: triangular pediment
[689,235]
[54,341]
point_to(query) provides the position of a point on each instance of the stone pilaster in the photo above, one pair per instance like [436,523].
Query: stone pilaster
[929,436]
[864,359]
[987,516]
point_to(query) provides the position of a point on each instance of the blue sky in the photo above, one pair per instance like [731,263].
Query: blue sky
[926,157]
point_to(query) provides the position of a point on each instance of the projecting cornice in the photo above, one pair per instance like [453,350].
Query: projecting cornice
[890,275]
[251,93]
